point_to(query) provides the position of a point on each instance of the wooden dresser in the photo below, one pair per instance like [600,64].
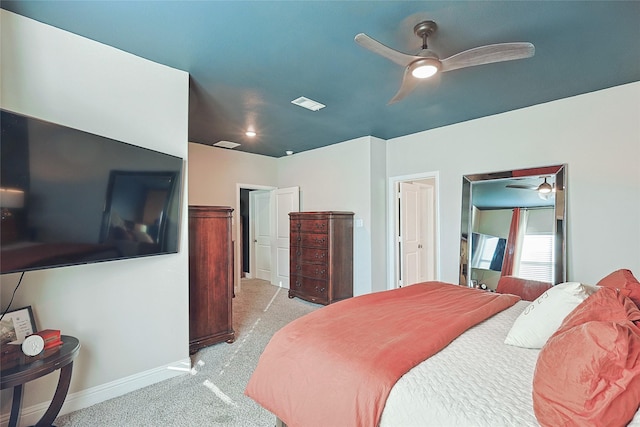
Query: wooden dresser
[321,256]
[210,276]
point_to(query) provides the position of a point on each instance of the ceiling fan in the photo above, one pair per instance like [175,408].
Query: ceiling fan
[427,63]
[544,190]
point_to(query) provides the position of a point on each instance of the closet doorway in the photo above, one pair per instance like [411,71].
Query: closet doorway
[414,237]
[264,231]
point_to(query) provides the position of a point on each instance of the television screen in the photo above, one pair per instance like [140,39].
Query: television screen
[71,197]
[487,252]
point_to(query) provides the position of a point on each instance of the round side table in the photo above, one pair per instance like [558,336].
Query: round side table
[22,373]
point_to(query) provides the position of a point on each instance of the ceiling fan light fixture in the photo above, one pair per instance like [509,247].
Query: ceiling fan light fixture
[545,187]
[424,68]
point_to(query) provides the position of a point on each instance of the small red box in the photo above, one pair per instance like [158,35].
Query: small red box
[49,335]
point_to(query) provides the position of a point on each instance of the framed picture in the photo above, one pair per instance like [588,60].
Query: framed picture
[16,325]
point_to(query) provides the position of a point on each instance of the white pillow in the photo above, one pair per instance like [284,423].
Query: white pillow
[543,317]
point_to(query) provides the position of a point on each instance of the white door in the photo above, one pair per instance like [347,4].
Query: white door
[417,232]
[283,201]
[260,209]
[410,234]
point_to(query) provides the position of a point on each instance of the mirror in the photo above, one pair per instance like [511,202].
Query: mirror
[513,223]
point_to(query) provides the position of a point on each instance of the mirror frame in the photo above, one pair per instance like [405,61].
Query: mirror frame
[560,217]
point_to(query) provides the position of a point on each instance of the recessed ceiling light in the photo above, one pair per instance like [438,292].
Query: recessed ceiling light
[226,144]
[307,103]
[250,133]
[289,152]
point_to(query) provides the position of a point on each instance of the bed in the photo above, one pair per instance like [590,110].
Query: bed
[473,377]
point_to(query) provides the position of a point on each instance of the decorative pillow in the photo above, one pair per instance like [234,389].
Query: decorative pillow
[544,316]
[526,289]
[607,305]
[588,373]
[623,279]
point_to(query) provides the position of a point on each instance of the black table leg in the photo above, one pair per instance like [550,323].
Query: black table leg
[58,398]
[15,406]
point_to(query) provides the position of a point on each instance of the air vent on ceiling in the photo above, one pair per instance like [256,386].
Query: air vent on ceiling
[226,144]
[307,103]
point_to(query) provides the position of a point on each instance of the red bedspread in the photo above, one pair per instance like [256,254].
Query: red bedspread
[337,365]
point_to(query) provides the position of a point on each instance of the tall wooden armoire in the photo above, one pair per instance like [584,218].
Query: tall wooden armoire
[210,276]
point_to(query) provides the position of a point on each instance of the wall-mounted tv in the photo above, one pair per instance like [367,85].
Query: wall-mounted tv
[71,197]
[487,252]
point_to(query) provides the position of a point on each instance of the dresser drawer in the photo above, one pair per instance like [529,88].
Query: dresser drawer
[316,271]
[309,240]
[310,226]
[316,289]
[310,255]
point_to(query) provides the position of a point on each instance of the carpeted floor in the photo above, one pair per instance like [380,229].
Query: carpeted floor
[213,395]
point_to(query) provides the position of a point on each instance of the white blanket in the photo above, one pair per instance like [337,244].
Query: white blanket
[477,380]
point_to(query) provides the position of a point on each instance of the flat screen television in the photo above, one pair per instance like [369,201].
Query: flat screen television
[487,252]
[70,197]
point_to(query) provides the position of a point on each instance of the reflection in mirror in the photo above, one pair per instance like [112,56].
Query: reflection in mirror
[513,224]
[137,206]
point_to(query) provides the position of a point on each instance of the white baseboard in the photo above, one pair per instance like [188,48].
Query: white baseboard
[85,398]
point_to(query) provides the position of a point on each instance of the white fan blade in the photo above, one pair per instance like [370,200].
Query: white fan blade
[408,84]
[377,47]
[487,55]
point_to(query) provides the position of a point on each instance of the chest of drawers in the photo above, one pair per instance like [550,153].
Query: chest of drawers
[321,256]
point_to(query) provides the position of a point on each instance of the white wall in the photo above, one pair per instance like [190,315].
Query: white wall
[111,307]
[596,134]
[346,177]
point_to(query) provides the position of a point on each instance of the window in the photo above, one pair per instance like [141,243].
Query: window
[536,259]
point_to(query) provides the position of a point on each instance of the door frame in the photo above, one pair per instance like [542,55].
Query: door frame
[394,218]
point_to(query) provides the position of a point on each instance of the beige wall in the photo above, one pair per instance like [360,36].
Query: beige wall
[214,173]
[342,177]
[216,176]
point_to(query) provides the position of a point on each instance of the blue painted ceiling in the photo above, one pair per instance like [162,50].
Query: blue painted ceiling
[249,59]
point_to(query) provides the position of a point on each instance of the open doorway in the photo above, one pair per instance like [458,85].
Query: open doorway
[244,256]
[263,232]
[413,229]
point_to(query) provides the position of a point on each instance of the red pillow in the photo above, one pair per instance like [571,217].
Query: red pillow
[588,372]
[623,279]
[526,289]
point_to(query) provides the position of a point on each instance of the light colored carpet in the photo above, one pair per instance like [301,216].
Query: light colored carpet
[214,394]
